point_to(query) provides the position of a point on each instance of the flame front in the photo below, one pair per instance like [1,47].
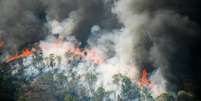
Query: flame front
[60,47]
[144,81]
[25,53]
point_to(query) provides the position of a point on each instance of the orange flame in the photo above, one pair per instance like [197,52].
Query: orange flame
[25,53]
[144,81]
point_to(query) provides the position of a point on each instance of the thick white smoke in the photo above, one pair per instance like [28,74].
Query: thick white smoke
[67,26]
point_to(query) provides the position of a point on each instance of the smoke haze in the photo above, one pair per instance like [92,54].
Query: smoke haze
[152,34]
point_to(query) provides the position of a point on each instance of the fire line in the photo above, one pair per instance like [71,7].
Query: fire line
[25,53]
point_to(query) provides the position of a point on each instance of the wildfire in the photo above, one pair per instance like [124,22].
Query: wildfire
[87,54]
[60,47]
[25,53]
[144,81]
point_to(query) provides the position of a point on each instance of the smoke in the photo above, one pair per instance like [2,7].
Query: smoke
[159,35]
[24,22]
[106,37]
[88,13]
[21,23]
